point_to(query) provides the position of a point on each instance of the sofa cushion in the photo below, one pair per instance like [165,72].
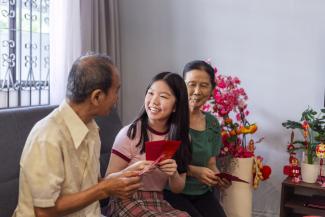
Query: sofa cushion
[15,125]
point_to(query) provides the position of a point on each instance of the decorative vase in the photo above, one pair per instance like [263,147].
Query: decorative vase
[309,172]
[237,199]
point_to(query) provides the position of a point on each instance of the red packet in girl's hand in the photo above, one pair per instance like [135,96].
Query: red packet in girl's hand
[230,177]
[154,163]
[155,149]
[170,148]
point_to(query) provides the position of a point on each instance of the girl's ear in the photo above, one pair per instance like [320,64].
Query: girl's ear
[95,97]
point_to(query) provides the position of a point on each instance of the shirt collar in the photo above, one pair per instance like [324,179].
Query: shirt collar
[78,129]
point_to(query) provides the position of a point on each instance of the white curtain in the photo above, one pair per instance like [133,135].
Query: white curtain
[78,26]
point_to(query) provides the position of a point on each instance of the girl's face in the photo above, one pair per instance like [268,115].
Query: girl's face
[199,88]
[159,102]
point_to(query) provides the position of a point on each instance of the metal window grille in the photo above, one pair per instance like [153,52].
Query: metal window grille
[24,53]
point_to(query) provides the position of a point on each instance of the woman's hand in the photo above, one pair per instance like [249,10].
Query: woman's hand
[168,166]
[207,176]
[223,183]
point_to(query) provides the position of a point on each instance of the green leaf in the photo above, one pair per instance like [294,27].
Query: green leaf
[291,125]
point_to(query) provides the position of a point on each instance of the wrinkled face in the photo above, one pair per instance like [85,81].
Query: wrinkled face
[159,102]
[110,99]
[199,88]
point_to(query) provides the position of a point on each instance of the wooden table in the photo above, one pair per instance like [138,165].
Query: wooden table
[297,199]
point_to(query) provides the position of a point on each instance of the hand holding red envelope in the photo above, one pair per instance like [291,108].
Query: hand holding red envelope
[157,151]
[154,163]
[230,177]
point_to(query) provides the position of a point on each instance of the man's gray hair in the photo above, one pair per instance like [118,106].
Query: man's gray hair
[88,73]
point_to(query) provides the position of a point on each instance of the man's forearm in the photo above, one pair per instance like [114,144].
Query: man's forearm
[67,204]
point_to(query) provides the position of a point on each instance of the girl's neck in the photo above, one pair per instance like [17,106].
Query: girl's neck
[158,127]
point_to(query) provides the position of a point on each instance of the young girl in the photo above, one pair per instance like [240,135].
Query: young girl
[164,116]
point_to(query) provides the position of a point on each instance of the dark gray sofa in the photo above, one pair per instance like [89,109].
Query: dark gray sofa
[15,124]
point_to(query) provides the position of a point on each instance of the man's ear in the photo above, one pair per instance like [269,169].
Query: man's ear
[96,97]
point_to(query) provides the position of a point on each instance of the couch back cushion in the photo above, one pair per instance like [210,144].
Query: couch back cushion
[15,125]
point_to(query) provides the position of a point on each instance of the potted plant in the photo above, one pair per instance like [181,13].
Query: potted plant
[237,155]
[312,127]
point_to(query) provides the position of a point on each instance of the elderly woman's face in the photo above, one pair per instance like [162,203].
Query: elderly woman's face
[199,88]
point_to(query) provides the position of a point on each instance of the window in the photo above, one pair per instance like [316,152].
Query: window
[24,53]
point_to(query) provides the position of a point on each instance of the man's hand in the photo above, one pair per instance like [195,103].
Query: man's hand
[121,184]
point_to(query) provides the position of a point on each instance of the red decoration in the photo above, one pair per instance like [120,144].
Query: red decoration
[266,172]
[293,170]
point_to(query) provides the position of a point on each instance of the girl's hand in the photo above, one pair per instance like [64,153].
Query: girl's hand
[168,166]
[208,177]
[138,166]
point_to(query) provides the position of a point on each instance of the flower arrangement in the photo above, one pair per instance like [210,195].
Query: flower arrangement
[229,105]
[229,101]
[312,127]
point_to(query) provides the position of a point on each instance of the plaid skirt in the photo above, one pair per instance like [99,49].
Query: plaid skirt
[143,203]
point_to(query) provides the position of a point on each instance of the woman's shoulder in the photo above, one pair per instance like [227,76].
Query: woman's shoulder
[212,121]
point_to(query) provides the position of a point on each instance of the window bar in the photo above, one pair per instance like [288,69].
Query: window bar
[30,71]
[40,86]
[11,48]
[19,86]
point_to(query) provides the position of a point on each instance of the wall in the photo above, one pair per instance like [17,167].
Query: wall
[276,47]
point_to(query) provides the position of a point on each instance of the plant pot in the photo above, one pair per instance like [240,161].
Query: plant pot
[309,172]
[237,199]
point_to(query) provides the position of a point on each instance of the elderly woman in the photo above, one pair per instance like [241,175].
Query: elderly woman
[198,198]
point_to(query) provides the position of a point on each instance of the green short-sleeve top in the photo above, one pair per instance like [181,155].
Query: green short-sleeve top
[205,144]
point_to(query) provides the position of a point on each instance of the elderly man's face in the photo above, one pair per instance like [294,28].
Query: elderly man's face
[112,96]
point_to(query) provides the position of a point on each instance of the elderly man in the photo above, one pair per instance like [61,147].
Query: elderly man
[59,167]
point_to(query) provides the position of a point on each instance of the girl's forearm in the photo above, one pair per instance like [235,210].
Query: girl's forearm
[177,182]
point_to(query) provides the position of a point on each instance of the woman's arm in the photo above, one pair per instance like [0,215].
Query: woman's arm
[221,183]
[212,164]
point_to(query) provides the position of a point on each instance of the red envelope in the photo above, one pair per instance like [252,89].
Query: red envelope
[230,177]
[155,149]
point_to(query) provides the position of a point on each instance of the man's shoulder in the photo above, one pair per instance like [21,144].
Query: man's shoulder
[49,126]
[52,119]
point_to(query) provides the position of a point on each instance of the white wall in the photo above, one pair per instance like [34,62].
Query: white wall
[276,47]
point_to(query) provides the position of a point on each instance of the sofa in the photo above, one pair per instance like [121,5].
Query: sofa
[15,125]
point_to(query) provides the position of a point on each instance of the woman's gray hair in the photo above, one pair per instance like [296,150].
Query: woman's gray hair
[88,73]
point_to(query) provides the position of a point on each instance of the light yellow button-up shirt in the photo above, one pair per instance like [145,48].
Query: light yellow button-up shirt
[61,156]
